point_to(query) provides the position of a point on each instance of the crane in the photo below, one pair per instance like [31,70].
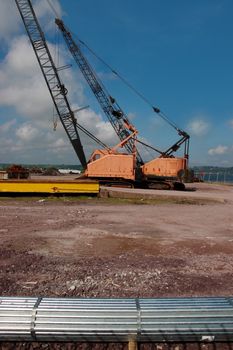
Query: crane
[107,163]
[116,115]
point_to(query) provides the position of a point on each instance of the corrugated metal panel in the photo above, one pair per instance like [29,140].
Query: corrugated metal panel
[118,320]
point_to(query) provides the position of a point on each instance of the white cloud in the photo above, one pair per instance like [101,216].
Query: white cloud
[219,150]
[198,127]
[94,123]
[27,132]
[5,127]
[22,86]
[9,19]
[20,58]
[60,143]
[30,136]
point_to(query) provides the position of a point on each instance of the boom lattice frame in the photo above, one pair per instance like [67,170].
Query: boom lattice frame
[56,88]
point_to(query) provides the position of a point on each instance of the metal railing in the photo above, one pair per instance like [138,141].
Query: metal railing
[116,320]
[219,177]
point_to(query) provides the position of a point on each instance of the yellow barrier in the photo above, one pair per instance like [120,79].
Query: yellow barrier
[35,186]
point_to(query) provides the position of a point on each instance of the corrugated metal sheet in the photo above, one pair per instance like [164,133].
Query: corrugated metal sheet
[117,320]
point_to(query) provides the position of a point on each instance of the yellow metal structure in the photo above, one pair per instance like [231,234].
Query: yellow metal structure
[35,186]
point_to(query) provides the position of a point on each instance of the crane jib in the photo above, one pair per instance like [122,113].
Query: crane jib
[57,90]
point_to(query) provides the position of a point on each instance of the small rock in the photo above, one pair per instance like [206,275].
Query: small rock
[159,347]
[72,288]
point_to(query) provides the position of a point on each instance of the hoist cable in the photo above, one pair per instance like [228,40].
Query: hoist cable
[130,86]
[148,146]
[53,8]
[126,82]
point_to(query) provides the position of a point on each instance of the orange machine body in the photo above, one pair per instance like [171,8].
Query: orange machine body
[164,167]
[110,163]
[104,164]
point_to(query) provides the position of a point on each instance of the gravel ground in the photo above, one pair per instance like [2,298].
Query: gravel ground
[118,248]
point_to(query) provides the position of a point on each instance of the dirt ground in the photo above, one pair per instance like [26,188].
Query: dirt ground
[91,247]
[110,248]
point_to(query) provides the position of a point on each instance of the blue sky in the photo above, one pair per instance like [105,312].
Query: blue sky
[179,54]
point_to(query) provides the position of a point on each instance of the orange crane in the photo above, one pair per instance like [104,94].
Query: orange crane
[109,165]
[165,167]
